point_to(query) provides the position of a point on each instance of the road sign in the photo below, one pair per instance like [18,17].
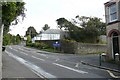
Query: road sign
[56,44]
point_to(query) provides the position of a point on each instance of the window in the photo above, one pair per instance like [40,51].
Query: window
[112,13]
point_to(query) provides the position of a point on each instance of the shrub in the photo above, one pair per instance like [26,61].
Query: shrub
[38,45]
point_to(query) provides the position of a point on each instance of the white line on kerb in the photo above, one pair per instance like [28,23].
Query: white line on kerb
[111,74]
[79,71]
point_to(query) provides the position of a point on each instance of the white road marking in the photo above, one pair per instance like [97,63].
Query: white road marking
[79,71]
[23,53]
[37,70]
[23,49]
[10,47]
[112,75]
[77,65]
[31,56]
[57,59]
[19,51]
[38,58]
[15,50]
[41,54]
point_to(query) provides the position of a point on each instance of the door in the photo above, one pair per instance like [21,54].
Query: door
[115,41]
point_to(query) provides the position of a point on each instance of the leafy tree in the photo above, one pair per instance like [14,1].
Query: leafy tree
[29,40]
[13,41]
[65,24]
[91,28]
[72,29]
[62,23]
[95,22]
[10,13]
[31,31]
[7,39]
[46,27]
[82,20]
[18,39]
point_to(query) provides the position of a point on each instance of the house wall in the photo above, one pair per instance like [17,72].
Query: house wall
[50,36]
[115,26]
[112,26]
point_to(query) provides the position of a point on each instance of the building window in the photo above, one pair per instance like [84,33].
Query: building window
[112,13]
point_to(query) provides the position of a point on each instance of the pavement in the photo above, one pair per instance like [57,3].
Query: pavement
[93,60]
[13,69]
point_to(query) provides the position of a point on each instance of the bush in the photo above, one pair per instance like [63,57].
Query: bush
[38,45]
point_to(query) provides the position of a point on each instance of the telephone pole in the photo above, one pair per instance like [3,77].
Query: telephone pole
[1,39]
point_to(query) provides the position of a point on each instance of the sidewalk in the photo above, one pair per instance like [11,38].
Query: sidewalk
[13,69]
[94,60]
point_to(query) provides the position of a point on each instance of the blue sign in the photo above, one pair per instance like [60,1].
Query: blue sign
[56,44]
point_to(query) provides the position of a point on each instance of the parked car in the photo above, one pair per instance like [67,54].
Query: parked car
[3,48]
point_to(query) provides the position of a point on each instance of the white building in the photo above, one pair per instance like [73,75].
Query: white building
[50,34]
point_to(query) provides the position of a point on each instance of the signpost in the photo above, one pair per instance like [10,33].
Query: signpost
[56,45]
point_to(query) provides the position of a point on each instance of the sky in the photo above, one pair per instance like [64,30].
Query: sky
[41,12]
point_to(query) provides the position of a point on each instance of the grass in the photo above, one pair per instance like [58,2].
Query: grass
[51,50]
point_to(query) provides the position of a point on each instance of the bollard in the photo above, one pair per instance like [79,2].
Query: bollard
[116,57]
[99,59]
[103,56]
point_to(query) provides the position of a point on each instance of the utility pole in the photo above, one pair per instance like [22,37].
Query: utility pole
[1,39]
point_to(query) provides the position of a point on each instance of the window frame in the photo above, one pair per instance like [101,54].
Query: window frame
[112,13]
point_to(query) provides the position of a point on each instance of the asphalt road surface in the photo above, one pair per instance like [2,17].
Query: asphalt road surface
[53,65]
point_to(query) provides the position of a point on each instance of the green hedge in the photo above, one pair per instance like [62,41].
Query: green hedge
[38,45]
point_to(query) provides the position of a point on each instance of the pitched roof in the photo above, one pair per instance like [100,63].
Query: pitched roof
[52,31]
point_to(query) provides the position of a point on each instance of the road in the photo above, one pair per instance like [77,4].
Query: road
[53,65]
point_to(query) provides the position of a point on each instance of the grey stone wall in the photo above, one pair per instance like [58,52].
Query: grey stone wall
[82,48]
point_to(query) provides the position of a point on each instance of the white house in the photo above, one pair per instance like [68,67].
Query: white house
[50,34]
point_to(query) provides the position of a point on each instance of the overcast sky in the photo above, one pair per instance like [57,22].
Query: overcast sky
[40,12]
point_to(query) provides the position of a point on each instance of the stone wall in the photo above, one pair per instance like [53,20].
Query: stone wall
[89,48]
[82,48]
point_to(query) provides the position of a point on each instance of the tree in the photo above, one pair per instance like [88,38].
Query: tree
[46,27]
[7,39]
[89,31]
[31,31]
[62,23]
[82,20]
[72,29]
[95,22]
[11,39]
[28,40]
[10,12]
[18,39]
[92,28]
